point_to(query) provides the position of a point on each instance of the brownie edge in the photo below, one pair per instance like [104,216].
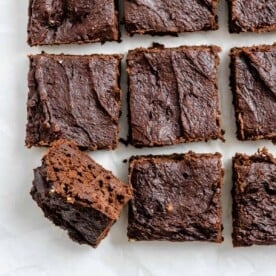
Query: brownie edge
[77,194]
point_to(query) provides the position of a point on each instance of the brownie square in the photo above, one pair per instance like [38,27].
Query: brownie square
[76,98]
[254,199]
[170,17]
[77,194]
[173,95]
[70,21]
[176,197]
[252,15]
[253,82]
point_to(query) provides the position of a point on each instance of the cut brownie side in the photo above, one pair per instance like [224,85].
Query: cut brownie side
[69,21]
[77,194]
[170,16]
[76,98]
[176,197]
[253,81]
[252,15]
[173,95]
[254,199]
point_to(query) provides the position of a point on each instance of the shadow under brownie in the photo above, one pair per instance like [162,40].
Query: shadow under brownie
[77,194]
[76,98]
[173,95]
[170,16]
[254,199]
[71,21]
[176,197]
[253,82]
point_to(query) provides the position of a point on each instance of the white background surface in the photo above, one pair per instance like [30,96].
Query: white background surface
[31,245]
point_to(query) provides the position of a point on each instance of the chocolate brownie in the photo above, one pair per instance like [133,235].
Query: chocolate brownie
[253,81]
[77,194]
[170,17]
[70,21]
[252,15]
[76,98]
[173,95]
[254,199]
[176,197]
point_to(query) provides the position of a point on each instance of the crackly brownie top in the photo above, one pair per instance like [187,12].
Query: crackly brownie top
[173,95]
[254,76]
[68,21]
[74,97]
[176,197]
[173,16]
[254,207]
[73,175]
[253,15]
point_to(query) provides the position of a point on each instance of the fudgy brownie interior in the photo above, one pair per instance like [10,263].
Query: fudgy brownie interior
[78,194]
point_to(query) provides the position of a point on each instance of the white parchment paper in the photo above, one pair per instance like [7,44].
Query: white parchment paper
[31,245]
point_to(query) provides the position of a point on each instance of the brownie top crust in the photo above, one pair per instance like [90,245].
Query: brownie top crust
[173,95]
[252,15]
[76,98]
[70,21]
[254,199]
[176,197]
[171,16]
[254,85]
[72,174]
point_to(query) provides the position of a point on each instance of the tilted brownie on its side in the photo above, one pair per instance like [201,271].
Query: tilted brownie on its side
[176,197]
[170,16]
[76,98]
[173,95]
[77,194]
[252,15]
[253,81]
[254,199]
[70,21]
